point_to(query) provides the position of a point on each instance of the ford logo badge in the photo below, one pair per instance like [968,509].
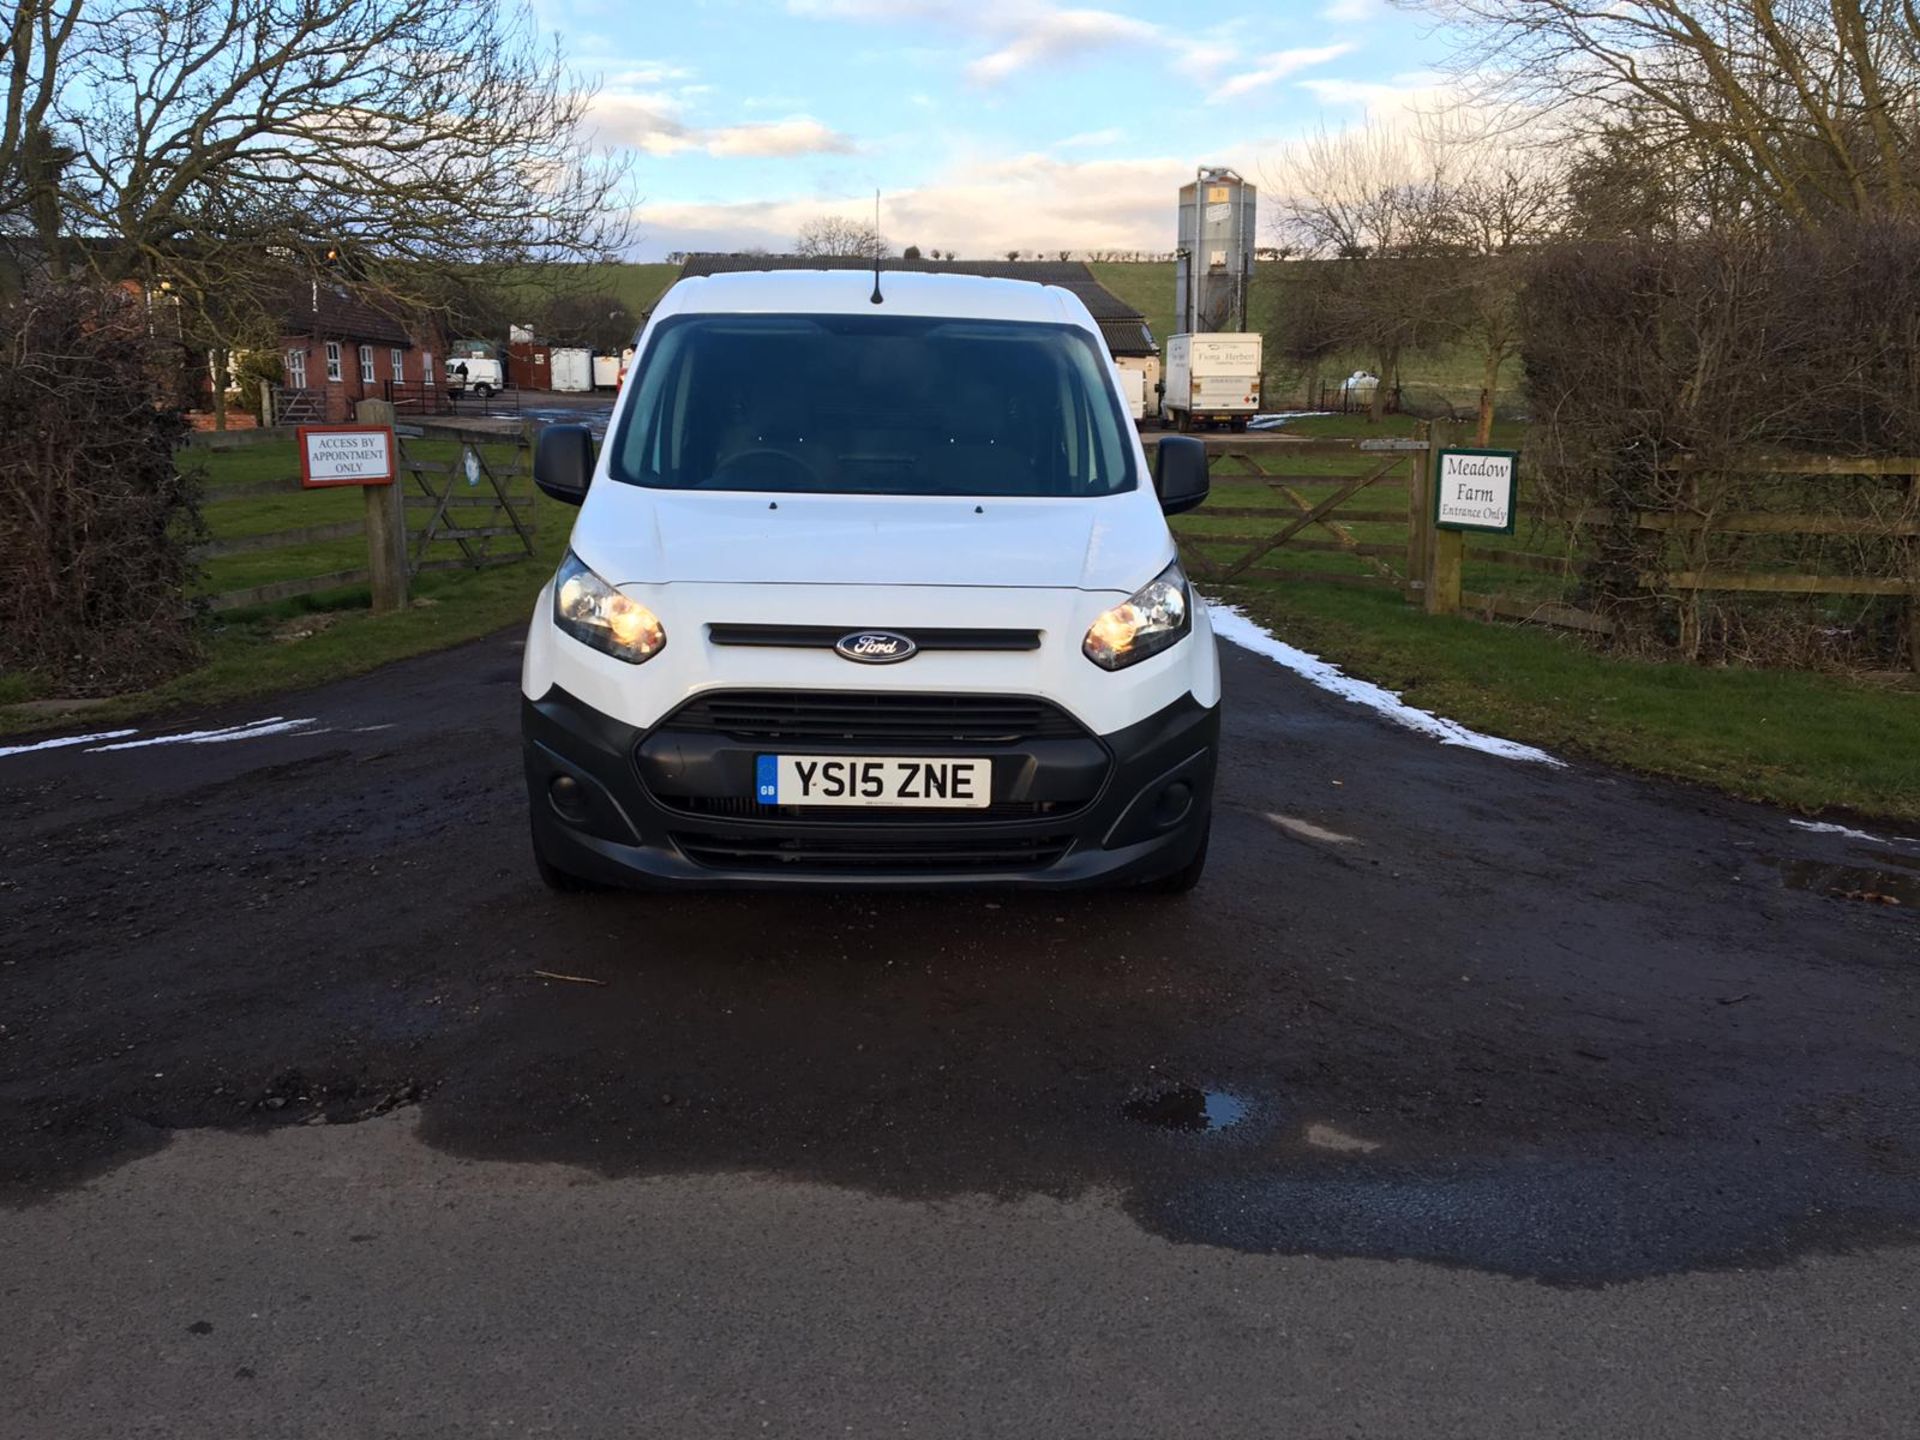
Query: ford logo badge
[875,647]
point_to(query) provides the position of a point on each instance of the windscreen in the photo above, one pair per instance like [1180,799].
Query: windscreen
[873,405]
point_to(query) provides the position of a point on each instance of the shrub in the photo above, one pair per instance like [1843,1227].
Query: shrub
[97,522]
[1657,372]
[249,370]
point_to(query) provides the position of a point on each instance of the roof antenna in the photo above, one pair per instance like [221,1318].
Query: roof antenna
[877,298]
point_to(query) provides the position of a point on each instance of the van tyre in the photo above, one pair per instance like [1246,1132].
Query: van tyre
[561,882]
[1187,876]
[483,390]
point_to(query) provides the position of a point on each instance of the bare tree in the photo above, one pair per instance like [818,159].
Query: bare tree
[835,237]
[602,322]
[37,36]
[1422,230]
[196,136]
[1504,204]
[1381,208]
[1809,107]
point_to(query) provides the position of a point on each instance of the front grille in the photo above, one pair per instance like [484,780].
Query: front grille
[825,637]
[744,807]
[904,854]
[881,718]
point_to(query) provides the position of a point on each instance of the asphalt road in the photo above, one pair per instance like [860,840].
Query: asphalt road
[1555,1102]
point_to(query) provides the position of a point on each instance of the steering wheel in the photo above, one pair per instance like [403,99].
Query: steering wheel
[799,471]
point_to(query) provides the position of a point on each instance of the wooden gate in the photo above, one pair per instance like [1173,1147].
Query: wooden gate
[476,491]
[1363,501]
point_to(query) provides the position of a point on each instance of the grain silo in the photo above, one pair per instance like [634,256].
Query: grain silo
[1214,262]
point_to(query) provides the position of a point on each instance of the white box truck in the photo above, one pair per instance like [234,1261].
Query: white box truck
[571,370]
[1212,378]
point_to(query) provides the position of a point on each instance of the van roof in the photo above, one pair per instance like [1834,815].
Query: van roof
[835,292]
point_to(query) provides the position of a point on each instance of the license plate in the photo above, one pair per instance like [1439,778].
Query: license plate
[926,784]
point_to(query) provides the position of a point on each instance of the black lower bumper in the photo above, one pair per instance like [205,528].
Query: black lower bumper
[622,806]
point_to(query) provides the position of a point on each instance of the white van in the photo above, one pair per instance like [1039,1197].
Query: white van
[472,372]
[872,594]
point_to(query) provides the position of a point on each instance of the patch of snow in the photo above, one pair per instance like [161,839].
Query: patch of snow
[65,741]
[1822,827]
[1275,419]
[1229,623]
[272,725]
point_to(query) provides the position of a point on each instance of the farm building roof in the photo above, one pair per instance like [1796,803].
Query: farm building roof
[332,312]
[1124,327]
[1127,337]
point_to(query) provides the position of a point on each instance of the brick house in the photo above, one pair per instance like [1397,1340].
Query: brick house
[338,348]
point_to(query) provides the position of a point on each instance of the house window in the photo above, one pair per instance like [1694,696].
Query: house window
[333,359]
[366,365]
[426,367]
[399,365]
[296,369]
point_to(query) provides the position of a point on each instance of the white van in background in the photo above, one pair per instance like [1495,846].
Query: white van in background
[1212,378]
[483,377]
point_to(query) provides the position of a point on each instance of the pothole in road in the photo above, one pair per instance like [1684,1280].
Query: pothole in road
[1850,882]
[1186,1108]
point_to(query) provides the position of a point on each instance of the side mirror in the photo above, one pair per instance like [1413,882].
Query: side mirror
[563,462]
[1180,473]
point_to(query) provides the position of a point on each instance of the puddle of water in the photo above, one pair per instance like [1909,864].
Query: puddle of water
[1887,857]
[1187,1108]
[1850,882]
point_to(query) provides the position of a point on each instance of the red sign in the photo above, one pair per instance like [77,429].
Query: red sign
[345,455]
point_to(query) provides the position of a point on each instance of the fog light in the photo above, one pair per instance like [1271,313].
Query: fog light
[569,797]
[1173,804]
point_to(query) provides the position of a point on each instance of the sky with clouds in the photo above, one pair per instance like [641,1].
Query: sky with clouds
[987,125]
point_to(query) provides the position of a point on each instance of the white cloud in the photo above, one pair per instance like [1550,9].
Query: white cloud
[645,74]
[979,207]
[1091,139]
[1352,12]
[1055,37]
[653,122]
[1400,101]
[795,135]
[1026,34]
[1277,66]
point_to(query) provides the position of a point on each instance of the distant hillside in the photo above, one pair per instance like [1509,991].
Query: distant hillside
[1452,373]
[1148,287]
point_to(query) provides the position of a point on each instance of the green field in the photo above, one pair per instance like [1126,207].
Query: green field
[1448,376]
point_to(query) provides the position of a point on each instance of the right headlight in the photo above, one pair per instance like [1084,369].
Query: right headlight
[596,614]
[1153,618]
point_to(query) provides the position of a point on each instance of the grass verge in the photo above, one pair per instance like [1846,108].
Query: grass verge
[1805,741]
[300,643]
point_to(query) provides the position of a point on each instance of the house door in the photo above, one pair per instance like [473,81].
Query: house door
[296,369]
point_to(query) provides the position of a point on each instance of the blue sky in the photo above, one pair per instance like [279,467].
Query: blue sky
[986,124]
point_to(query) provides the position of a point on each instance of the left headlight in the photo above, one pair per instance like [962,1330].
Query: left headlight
[596,614]
[1154,617]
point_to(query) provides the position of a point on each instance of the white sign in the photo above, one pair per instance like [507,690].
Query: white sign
[1474,490]
[345,455]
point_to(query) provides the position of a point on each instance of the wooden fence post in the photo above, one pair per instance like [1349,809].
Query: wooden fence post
[1444,546]
[386,522]
[1913,595]
[1420,519]
[267,417]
